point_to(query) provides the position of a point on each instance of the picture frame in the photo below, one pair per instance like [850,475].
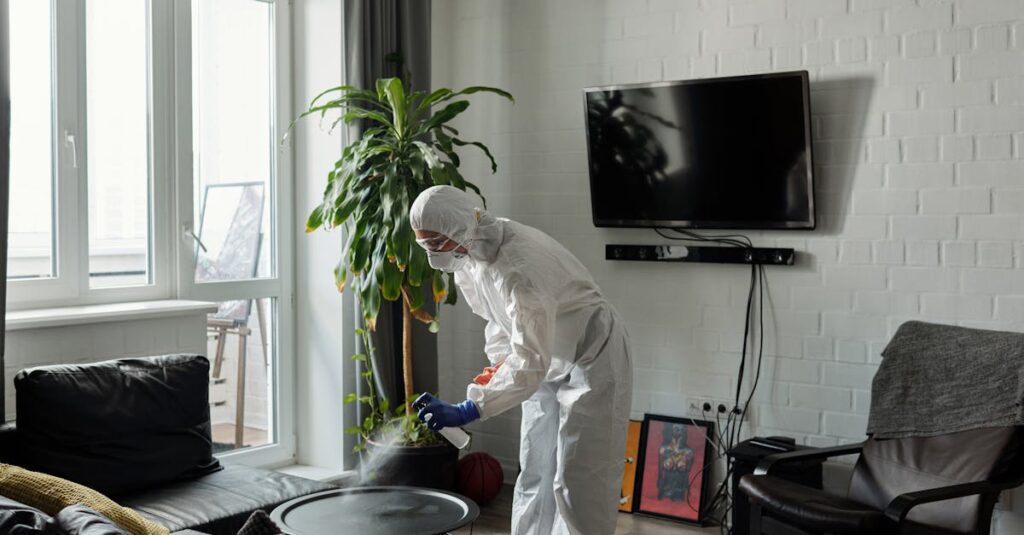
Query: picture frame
[673,468]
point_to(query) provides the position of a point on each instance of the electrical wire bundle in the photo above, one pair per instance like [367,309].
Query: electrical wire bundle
[726,436]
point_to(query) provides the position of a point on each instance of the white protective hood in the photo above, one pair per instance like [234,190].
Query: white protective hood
[458,215]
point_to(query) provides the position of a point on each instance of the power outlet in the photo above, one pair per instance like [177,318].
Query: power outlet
[707,407]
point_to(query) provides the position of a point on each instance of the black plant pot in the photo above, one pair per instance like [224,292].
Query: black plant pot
[414,466]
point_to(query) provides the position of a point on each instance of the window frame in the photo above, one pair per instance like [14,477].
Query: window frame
[70,284]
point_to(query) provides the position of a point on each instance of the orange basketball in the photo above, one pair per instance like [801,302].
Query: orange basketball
[479,477]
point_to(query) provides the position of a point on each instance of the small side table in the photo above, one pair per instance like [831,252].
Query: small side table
[376,511]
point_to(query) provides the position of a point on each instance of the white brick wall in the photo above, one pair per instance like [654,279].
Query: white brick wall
[918,116]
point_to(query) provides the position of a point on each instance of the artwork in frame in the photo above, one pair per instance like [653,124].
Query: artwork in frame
[629,472]
[673,468]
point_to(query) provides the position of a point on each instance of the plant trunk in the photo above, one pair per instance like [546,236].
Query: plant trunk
[407,355]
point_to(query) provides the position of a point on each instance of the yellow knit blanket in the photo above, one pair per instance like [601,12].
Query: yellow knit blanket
[50,494]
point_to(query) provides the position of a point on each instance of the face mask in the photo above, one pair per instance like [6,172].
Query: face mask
[447,261]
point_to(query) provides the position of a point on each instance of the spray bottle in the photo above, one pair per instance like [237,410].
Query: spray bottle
[455,435]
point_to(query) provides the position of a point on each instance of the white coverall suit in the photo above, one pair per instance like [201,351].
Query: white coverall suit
[565,357]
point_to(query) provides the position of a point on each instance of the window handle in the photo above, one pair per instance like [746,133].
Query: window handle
[69,141]
[186,229]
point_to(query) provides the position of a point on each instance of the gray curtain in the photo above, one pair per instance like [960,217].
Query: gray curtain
[5,159]
[386,38]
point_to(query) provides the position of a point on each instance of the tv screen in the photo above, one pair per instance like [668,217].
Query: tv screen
[713,153]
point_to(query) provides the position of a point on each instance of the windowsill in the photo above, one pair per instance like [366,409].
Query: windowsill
[79,315]
[334,476]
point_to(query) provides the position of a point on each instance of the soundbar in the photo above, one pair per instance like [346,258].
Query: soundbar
[701,253]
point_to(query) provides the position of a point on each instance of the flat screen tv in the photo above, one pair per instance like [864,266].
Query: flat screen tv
[716,153]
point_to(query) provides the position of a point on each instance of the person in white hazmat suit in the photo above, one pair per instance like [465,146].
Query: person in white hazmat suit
[559,349]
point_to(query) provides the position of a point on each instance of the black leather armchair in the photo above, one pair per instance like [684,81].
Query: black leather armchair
[937,485]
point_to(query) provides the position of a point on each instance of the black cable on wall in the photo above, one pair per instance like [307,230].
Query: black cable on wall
[728,435]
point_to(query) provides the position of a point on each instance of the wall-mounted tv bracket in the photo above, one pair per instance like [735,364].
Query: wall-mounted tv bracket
[686,253]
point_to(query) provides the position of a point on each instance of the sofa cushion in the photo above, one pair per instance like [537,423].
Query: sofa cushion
[220,503]
[117,426]
[82,520]
[16,517]
[52,495]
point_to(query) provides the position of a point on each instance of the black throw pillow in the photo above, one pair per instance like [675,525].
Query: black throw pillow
[117,426]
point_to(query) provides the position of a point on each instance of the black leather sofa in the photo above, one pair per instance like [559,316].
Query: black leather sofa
[138,430]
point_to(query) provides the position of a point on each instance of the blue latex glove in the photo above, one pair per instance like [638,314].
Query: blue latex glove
[445,414]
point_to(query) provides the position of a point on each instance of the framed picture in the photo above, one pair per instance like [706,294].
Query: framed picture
[629,474]
[671,478]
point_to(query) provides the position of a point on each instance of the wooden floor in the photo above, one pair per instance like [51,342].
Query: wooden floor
[250,436]
[495,519]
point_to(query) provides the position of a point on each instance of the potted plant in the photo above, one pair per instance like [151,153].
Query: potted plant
[407,146]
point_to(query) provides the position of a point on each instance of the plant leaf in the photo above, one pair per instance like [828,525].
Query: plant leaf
[315,219]
[391,281]
[428,154]
[455,177]
[340,275]
[478,89]
[361,254]
[396,97]
[417,266]
[414,300]
[453,294]
[438,286]
[481,146]
[382,84]
[434,97]
[371,307]
[447,114]
[359,113]
[440,175]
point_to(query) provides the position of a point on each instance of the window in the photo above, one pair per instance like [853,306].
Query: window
[233,131]
[117,133]
[239,174]
[31,250]
[147,164]
[82,219]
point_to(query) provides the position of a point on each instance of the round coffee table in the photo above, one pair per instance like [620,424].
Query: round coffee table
[376,511]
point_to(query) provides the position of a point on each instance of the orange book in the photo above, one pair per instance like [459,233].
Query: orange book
[629,474]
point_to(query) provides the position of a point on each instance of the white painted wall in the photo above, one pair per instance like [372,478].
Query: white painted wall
[320,332]
[918,110]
